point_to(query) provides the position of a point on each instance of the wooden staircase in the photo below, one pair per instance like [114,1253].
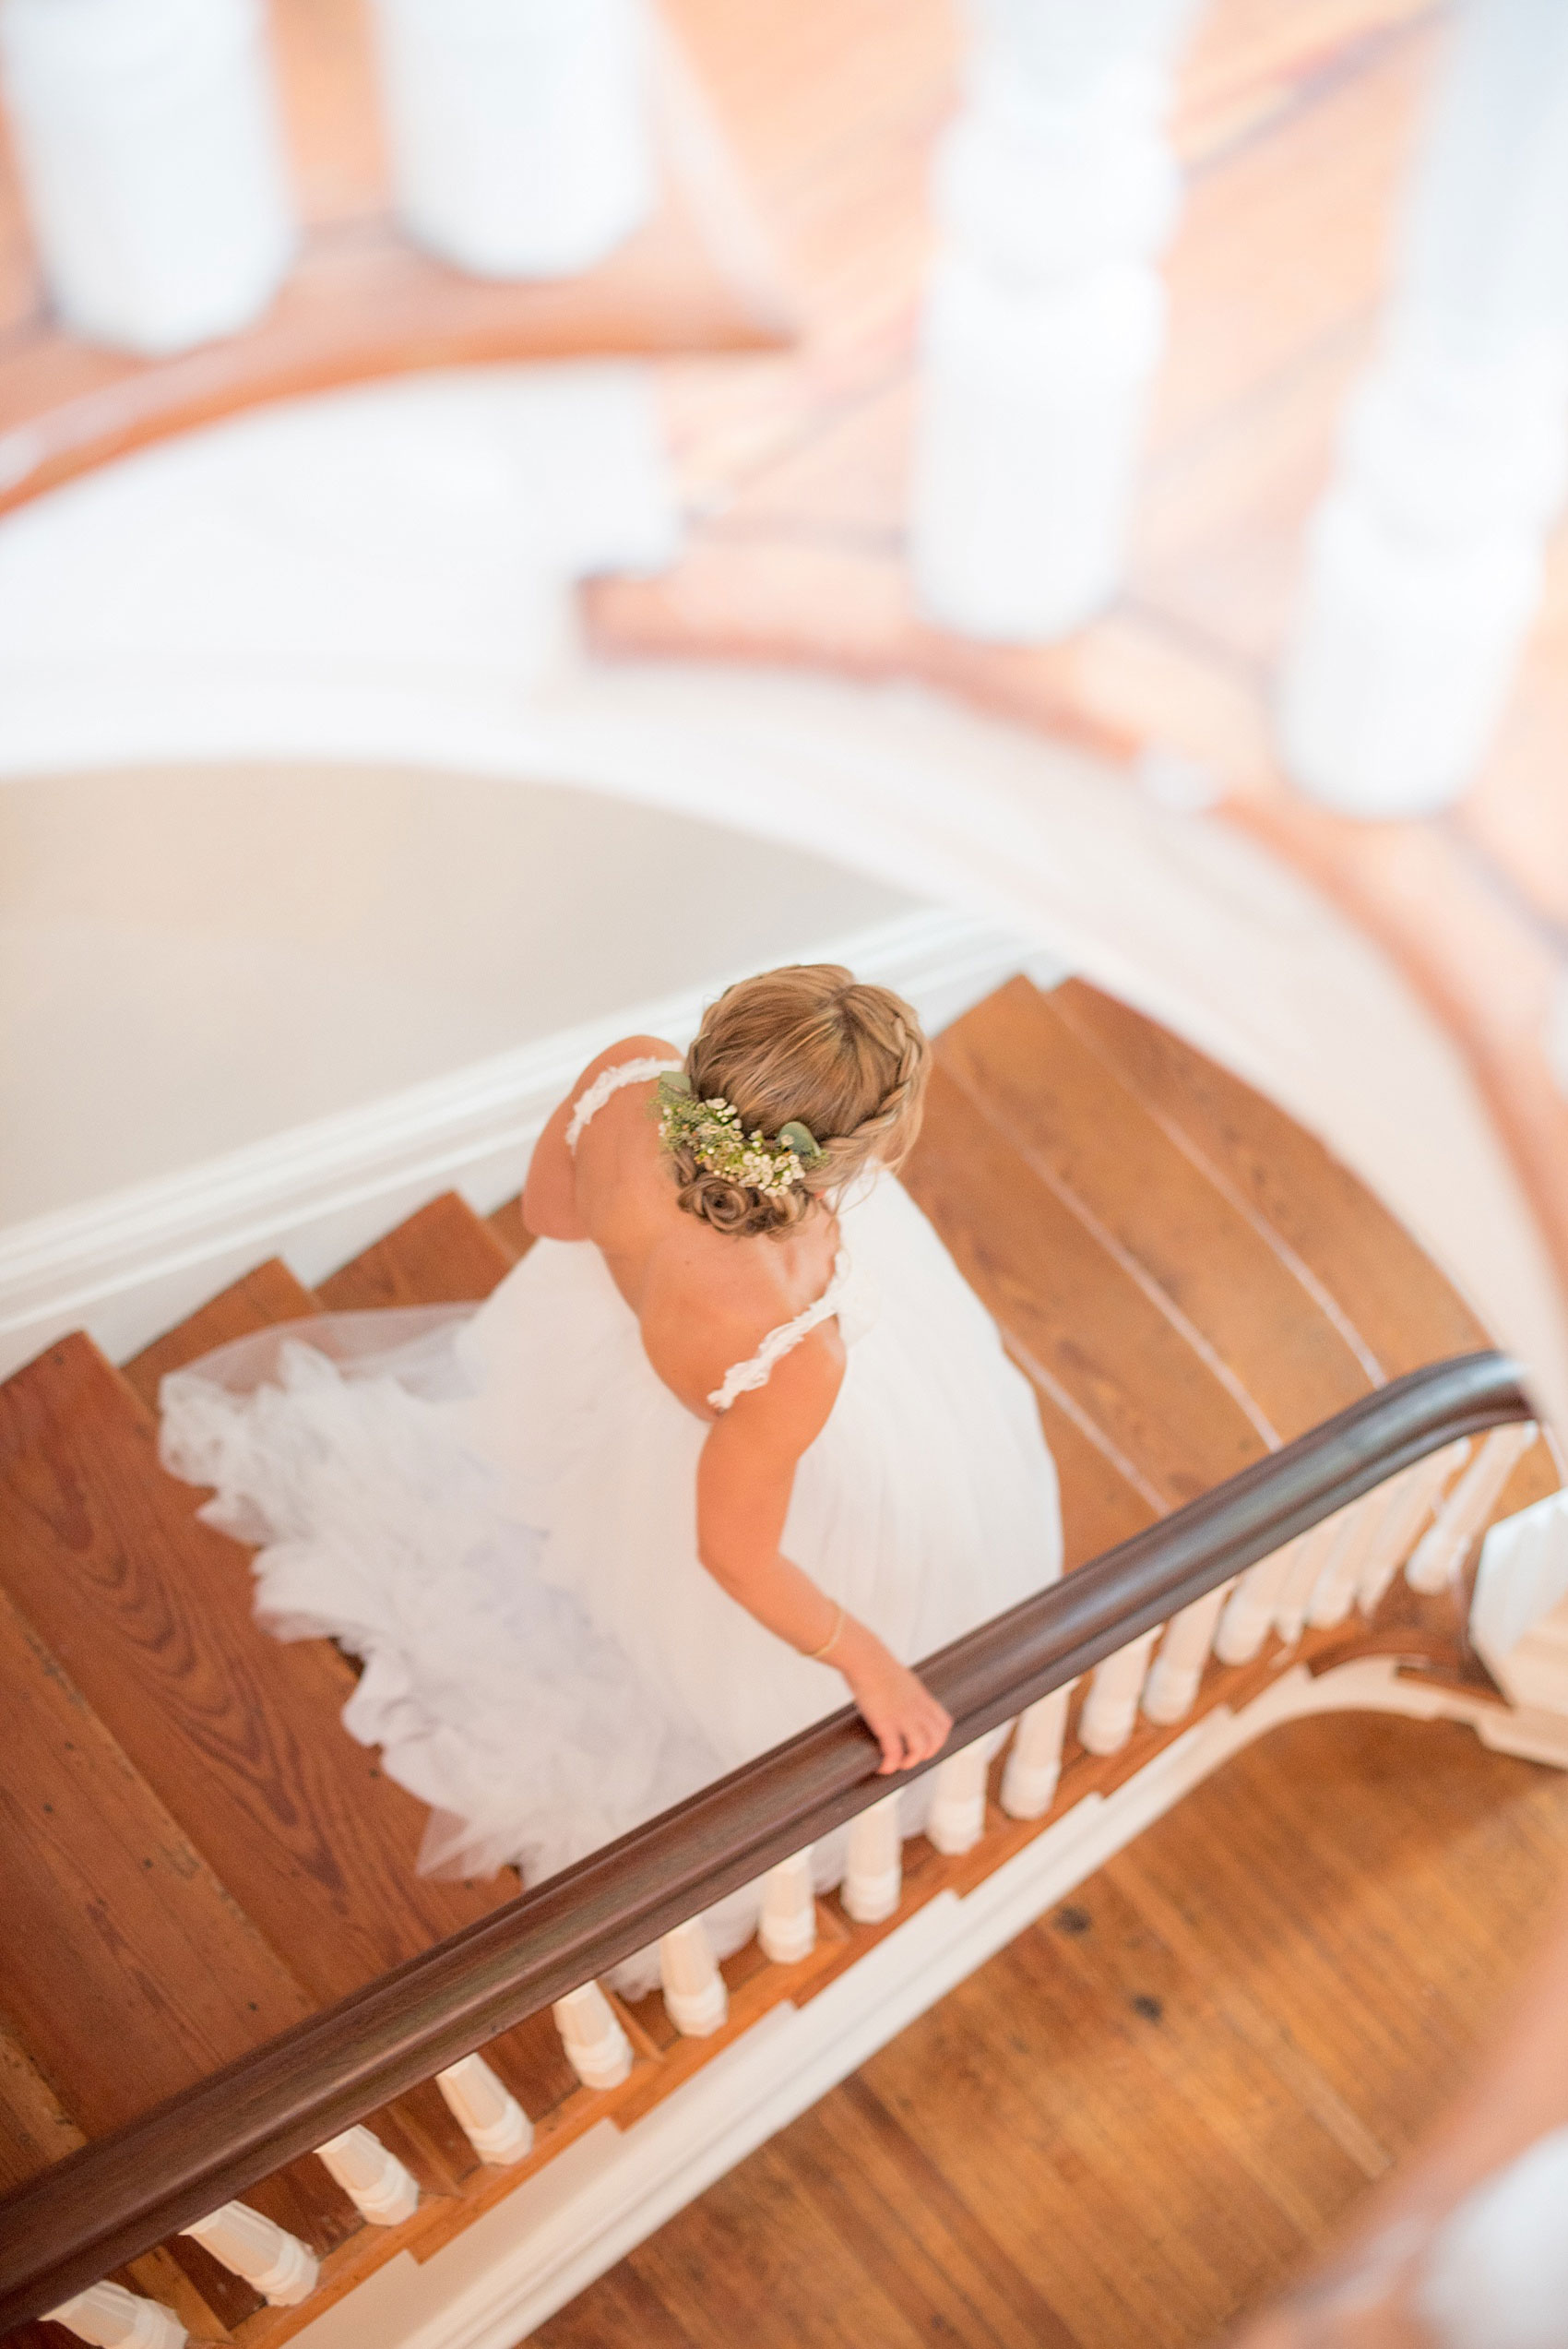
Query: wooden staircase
[197,1856]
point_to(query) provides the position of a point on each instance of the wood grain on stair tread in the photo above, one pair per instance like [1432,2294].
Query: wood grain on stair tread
[1071,1306]
[444,1254]
[268,1294]
[163,1967]
[1101,1504]
[1047,1093]
[151,1614]
[35,2128]
[1398,1300]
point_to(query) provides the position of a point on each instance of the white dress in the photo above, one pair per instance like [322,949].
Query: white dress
[495,1507]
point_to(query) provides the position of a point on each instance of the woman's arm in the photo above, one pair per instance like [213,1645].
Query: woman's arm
[549,1194]
[745,1475]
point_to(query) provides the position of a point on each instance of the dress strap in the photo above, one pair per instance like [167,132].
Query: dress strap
[756,1370]
[592,1098]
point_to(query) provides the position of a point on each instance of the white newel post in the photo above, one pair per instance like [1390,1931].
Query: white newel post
[873,1870]
[1034,1759]
[1519,1617]
[1425,559]
[486,2111]
[149,154]
[371,2177]
[521,134]
[695,1998]
[115,2319]
[786,1927]
[282,2268]
[597,2048]
[1044,318]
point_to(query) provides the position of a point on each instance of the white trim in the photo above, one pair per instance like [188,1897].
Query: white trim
[131,1265]
[526,2257]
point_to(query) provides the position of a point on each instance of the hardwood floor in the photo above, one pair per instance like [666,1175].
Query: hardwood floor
[1151,2107]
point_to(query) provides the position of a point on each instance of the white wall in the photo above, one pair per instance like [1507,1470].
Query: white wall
[192,959]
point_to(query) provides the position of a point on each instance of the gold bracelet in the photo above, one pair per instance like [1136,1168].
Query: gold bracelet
[816,1655]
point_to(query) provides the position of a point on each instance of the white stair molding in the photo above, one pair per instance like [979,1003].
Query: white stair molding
[520,130]
[1425,559]
[1171,1687]
[1412,1499]
[1519,1617]
[1045,314]
[696,1996]
[1034,1759]
[787,1928]
[957,1818]
[486,2111]
[282,2268]
[873,1871]
[596,2046]
[1441,1550]
[151,165]
[371,2177]
[115,2319]
[1112,1706]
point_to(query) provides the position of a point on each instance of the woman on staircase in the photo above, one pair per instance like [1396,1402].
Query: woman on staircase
[734,1434]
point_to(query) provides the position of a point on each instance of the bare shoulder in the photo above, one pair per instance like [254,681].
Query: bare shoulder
[706,1308]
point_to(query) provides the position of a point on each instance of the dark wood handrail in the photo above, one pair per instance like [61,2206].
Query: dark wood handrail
[117,2198]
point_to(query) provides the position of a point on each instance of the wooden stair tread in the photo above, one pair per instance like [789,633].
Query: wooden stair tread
[164,1968]
[444,1254]
[150,1612]
[1026,1071]
[506,1223]
[35,2128]
[1403,1306]
[261,1298]
[1066,1306]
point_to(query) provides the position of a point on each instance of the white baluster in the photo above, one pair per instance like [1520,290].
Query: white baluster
[957,1818]
[1412,1499]
[1045,314]
[1112,1706]
[1034,1760]
[695,1994]
[1300,1579]
[375,2180]
[115,2319]
[597,2048]
[1249,1612]
[1171,1688]
[521,131]
[1339,1574]
[787,1928]
[1425,559]
[282,2268]
[150,158]
[486,2111]
[1442,1549]
[1519,1620]
[873,1870]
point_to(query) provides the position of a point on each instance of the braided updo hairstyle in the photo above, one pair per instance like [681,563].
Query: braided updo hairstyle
[807,1042]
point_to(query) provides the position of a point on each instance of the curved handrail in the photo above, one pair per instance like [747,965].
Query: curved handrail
[114,2199]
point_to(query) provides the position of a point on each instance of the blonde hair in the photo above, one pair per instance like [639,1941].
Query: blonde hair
[805,1043]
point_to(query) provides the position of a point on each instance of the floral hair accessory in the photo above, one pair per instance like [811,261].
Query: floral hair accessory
[712,1130]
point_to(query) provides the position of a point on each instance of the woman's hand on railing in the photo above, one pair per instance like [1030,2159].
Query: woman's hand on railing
[896,1706]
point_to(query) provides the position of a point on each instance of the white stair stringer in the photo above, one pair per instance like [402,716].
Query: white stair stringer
[561,2229]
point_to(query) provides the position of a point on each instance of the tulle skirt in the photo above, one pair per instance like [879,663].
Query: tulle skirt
[493,1508]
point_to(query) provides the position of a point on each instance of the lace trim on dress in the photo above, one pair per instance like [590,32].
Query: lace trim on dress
[592,1098]
[756,1370]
